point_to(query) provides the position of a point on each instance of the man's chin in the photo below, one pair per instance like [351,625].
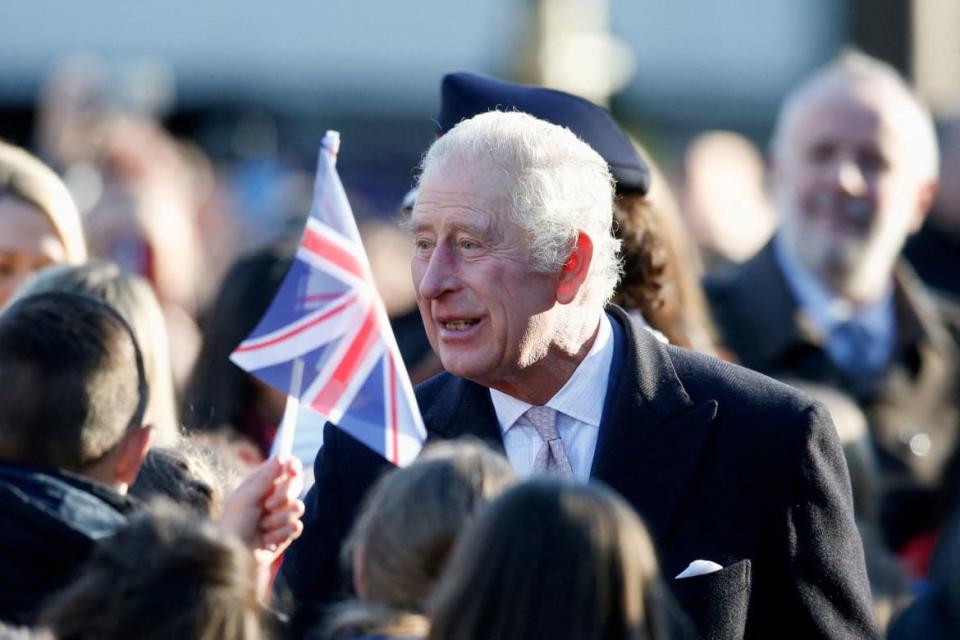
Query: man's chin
[830,258]
[461,367]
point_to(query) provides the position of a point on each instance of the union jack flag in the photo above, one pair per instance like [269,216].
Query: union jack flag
[328,321]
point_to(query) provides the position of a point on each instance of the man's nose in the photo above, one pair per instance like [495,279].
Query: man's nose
[849,177]
[439,275]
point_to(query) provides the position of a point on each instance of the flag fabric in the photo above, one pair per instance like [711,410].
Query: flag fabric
[328,323]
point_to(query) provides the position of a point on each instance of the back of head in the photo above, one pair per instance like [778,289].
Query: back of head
[24,177]
[408,525]
[557,186]
[71,381]
[165,575]
[133,298]
[552,559]
[181,475]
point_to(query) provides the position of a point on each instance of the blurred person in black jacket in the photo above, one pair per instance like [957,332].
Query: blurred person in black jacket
[935,250]
[829,300]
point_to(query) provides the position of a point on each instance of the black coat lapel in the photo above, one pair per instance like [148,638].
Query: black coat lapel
[463,408]
[652,434]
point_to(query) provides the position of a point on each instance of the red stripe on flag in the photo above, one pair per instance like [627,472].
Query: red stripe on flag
[289,334]
[348,365]
[320,297]
[328,250]
[395,453]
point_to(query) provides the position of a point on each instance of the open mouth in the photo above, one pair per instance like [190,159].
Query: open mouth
[458,325]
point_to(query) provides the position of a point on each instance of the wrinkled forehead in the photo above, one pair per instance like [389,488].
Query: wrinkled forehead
[872,109]
[464,191]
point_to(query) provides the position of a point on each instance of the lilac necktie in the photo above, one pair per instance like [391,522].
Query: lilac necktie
[552,457]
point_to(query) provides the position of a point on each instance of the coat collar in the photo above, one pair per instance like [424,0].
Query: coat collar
[784,324]
[921,339]
[652,434]
[464,409]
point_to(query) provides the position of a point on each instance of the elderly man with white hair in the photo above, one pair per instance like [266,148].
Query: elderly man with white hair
[740,479]
[853,171]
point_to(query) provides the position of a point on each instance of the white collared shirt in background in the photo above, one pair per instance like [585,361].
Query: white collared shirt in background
[579,407]
[826,311]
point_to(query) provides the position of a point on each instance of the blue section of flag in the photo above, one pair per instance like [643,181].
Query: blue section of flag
[328,314]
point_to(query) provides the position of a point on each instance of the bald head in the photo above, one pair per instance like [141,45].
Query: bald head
[859,77]
[854,168]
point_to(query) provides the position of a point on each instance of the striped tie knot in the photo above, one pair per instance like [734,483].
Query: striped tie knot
[552,457]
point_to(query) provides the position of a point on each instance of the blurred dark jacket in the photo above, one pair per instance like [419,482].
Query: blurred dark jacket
[51,523]
[916,398]
[935,615]
[934,252]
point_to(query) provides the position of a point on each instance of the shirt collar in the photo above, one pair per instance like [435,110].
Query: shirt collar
[581,397]
[826,309]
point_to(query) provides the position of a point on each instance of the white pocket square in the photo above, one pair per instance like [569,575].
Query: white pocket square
[698,568]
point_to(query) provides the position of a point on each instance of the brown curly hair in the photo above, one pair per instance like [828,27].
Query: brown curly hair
[644,255]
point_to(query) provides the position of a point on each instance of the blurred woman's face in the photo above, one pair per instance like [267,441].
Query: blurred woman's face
[28,242]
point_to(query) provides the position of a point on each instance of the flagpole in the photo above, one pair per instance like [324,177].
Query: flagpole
[289,423]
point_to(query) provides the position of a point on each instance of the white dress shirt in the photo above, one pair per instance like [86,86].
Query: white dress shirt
[827,311]
[579,407]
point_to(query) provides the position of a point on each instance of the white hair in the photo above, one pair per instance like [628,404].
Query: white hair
[559,186]
[851,71]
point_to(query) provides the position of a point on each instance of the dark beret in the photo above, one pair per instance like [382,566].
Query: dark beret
[464,95]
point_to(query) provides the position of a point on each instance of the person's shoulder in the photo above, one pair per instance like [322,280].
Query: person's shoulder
[736,387]
[754,409]
[733,277]
[721,376]
[936,310]
[948,310]
[429,390]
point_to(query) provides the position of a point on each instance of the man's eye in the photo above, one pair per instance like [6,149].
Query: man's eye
[469,245]
[821,153]
[422,244]
[872,162]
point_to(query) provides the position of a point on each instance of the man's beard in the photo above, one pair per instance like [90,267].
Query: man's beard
[834,250]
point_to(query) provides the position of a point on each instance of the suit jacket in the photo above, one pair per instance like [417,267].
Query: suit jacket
[722,463]
[916,398]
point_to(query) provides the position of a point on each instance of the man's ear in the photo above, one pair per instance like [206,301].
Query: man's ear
[925,197]
[131,453]
[574,272]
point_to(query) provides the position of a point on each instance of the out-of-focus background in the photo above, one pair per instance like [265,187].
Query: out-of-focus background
[255,83]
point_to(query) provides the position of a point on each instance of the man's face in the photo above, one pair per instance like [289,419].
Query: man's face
[846,185]
[28,242]
[486,312]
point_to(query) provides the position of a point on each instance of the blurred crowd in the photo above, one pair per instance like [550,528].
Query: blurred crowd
[138,491]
